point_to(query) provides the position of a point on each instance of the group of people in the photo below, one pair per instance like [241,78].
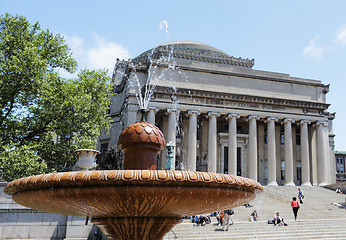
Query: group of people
[224,219]
[278,220]
[201,220]
[295,204]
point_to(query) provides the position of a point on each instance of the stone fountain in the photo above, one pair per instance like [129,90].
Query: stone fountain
[139,202]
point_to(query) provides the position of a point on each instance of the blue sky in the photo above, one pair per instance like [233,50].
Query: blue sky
[302,38]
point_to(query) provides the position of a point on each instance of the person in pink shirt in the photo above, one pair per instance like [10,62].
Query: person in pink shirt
[295,207]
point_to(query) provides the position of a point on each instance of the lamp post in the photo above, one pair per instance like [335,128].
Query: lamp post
[170,147]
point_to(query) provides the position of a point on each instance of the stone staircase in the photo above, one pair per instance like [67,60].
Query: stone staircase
[321,216]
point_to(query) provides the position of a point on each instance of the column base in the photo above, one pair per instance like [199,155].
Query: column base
[272,184]
[306,184]
[289,184]
[322,184]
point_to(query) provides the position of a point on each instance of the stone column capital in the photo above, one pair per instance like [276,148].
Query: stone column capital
[155,109]
[288,120]
[191,112]
[171,110]
[321,123]
[254,117]
[233,115]
[304,121]
[215,114]
[269,119]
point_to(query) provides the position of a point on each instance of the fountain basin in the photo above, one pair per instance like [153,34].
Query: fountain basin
[128,204]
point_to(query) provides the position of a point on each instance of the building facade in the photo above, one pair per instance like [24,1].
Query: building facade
[224,116]
[340,162]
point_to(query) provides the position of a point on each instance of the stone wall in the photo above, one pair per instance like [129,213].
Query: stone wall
[18,222]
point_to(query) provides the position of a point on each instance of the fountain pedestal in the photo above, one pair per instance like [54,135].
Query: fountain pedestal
[136,228]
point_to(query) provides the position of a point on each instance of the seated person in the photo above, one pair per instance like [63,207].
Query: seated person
[338,190]
[194,219]
[201,220]
[278,220]
[253,216]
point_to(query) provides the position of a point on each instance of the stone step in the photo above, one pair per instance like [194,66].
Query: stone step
[268,237]
[318,218]
[264,233]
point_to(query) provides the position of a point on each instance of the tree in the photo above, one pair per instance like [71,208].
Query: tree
[75,114]
[28,58]
[20,162]
[40,110]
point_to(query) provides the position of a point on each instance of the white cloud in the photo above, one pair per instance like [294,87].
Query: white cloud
[101,55]
[76,44]
[341,35]
[105,53]
[313,50]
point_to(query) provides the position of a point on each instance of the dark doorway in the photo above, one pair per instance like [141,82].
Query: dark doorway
[225,160]
[299,174]
[238,161]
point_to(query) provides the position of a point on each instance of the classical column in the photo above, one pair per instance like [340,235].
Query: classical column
[321,155]
[185,143]
[131,114]
[278,153]
[271,148]
[172,131]
[288,152]
[327,152]
[212,142]
[253,147]
[192,141]
[151,115]
[232,143]
[313,154]
[304,151]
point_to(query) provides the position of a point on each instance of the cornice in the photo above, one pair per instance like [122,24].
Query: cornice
[246,99]
[160,53]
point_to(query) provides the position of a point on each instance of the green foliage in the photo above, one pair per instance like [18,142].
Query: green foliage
[17,162]
[39,108]
[77,117]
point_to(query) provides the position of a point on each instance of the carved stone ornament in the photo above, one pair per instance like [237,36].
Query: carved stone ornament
[141,142]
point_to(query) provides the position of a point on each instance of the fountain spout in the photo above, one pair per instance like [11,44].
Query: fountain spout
[143,112]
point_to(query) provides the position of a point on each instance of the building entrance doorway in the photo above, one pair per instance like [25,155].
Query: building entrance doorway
[225,161]
[238,161]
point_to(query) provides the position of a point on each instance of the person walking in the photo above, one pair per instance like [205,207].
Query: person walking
[227,219]
[295,207]
[300,195]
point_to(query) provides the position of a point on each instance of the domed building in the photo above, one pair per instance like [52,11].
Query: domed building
[224,116]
